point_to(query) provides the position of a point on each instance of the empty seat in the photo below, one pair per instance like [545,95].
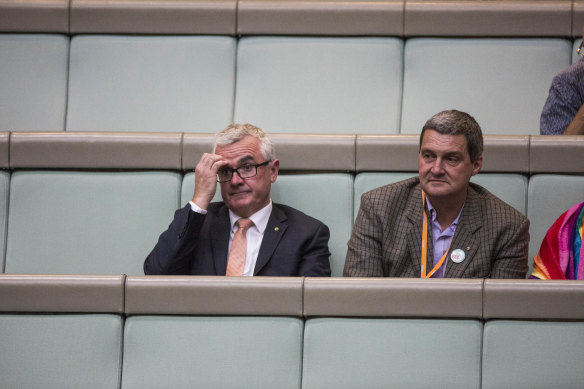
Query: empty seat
[212,352]
[87,222]
[524,354]
[151,83]
[61,331]
[533,334]
[382,353]
[503,83]
[240,332]
[33,75]
[319,84]
[393,333]
[60,351]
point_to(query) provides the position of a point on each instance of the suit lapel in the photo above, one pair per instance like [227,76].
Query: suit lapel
[277,225]
[220,240]
[465,237]
[414,213]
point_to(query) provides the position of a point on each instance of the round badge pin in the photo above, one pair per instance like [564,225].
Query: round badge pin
[457,256]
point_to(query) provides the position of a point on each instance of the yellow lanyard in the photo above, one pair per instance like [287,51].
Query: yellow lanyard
[425,244]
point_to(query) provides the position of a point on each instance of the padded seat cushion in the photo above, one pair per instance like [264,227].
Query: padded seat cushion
[60,351]
[212,352]
[33,75]
[87,222]
[151,83]
[386,353]
[319,84]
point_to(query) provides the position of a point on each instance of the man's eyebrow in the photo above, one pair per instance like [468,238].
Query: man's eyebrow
[447,153]
[246,159]
[454,154]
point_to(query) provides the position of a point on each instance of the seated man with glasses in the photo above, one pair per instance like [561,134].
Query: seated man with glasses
[245,234]
[563,112]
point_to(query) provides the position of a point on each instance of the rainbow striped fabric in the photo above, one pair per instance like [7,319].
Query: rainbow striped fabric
[560,253]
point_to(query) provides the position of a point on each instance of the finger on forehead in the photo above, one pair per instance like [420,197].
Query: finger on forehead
[219,163]
[210,157]
[216,157]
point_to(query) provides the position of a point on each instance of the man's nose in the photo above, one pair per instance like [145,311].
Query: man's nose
[437,166]
[236,178]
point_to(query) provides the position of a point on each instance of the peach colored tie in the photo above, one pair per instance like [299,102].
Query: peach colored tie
[236,260]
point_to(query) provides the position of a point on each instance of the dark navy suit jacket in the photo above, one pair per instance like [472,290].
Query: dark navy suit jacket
[294,244]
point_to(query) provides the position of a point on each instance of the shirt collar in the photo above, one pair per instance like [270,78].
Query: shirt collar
[259,219]
[433,213]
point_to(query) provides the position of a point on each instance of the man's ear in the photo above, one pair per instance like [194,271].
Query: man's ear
[477,165]
[275,169]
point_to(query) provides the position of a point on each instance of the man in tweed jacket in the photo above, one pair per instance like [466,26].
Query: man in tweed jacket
[478,234]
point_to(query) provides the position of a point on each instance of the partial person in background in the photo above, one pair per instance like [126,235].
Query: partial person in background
[245,234]
[563,112]
[439,224]
[560,256]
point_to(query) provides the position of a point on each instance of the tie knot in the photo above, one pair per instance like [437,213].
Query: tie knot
[244,223]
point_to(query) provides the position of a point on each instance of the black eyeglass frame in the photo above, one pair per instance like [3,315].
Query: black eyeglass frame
[236,170]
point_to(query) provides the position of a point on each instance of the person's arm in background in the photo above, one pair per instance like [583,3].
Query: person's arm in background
[576,127]
[563,112]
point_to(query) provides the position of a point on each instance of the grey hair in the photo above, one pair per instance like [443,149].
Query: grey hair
[453,122]
[236,132]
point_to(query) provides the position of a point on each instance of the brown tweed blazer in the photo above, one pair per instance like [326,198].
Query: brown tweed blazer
[387,236]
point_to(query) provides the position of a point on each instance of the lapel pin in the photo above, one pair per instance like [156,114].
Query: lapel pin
[277,229]
[457,256]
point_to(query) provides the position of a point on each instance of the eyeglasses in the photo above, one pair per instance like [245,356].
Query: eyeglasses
[580,48]
[244,171]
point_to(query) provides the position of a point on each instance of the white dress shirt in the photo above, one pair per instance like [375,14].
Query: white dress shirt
[254,234]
